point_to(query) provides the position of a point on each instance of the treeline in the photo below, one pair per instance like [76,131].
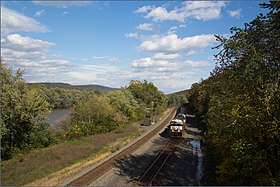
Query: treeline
[239,105]
[179,98]
[24,109]
[113,110]
[61,97]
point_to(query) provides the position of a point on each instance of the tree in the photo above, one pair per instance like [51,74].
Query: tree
[124,102]
[148,96]
[243,116]
[23,112]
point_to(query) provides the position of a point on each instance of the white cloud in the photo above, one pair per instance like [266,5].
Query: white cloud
[54,62]
[20,43]
[172,30]
[200,10]
[32,55]
[182,26]
[152,62]
[62,4]
[82,75]
[163,56]
[144,9]
[171,43]
[196,64]
[161,14]
[39,13]
[101,57]
[12,21]
[131,35]
[234,13]
[145,27]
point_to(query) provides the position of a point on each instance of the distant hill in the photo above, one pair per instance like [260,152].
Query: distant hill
[180,92]
[94,87]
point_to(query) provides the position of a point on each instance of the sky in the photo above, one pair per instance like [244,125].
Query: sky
[109,43]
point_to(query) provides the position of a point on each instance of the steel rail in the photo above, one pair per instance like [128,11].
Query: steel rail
[152,165]
[152,172]
[104,167]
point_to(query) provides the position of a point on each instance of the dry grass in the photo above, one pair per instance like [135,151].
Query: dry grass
[48,166]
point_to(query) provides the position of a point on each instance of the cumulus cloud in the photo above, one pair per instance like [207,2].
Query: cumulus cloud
[19,43]
[62,4]
[234,13]
[145,27]
[171,43]
[200,10]
[31,55]
[12,21]
[162,14]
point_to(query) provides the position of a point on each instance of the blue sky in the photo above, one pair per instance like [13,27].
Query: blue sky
[112,42]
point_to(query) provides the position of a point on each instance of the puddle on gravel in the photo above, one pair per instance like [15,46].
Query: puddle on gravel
[197,151]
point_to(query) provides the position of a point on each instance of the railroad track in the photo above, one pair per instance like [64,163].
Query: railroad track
[149,176]
[101,169]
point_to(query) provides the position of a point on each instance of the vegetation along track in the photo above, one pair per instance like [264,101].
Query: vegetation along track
[101,169]
[152,172]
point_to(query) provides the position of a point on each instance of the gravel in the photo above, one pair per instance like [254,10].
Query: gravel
[184,167]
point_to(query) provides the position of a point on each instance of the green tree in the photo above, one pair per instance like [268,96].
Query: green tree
[124,102]
[92,115]
[243,116]
[23,112]
[148,96]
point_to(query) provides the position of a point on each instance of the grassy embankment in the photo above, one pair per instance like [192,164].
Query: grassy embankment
[48,166]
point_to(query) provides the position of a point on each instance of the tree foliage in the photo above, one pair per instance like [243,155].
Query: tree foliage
[124,102]
[23,113]
[148,96]
[242,99]
[62,97]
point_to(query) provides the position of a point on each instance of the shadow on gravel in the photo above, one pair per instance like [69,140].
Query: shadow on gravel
[165,133]
[179,170]
[194,133]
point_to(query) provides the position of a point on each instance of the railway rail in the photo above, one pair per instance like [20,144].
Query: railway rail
[150,175]
[101,169]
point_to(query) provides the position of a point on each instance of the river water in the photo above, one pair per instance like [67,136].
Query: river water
[56,115]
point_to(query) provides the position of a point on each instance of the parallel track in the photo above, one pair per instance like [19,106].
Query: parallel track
[101,169]
[150,175]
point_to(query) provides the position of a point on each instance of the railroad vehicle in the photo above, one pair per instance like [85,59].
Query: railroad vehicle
[176,128]
[147,122]
[182,117]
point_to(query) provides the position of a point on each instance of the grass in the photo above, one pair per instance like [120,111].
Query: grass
[49,165]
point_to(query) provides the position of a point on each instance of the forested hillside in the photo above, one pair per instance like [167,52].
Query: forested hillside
[239,105]
[93,87]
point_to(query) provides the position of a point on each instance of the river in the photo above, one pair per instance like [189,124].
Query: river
[56,115]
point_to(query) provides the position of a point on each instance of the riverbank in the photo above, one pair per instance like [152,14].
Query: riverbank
[51,164]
